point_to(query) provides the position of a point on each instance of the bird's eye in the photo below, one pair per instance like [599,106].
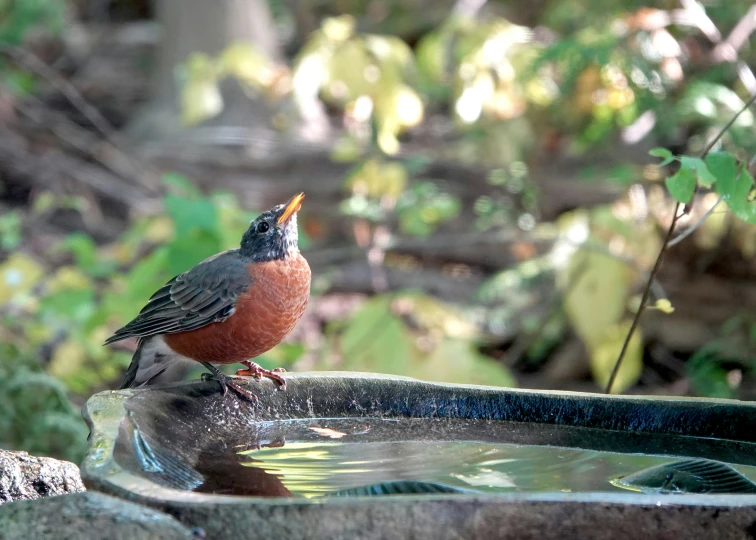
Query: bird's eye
[263,227]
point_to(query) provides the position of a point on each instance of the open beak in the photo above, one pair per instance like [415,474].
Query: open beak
[292,207]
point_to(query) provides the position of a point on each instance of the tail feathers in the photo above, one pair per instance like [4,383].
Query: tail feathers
[150,360]
[131,373]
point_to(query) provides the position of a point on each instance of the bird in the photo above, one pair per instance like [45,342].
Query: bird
[229,308]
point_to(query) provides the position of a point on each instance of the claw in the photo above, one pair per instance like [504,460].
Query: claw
[227,382]
[239,390]
[258,372]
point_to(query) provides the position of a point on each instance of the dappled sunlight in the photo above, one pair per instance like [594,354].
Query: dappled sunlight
[488,189]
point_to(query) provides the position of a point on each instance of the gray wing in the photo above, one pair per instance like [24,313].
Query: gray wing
[203,295]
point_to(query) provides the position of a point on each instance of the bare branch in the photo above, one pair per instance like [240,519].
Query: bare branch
[675,217]
[690,230]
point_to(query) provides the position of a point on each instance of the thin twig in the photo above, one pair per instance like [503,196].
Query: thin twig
[644,298]
[690,230]
[30,61]
[667,239]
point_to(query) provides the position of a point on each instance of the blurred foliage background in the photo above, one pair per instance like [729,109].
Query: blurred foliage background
[481,203]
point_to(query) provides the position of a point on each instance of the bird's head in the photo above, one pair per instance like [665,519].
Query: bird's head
[273,234]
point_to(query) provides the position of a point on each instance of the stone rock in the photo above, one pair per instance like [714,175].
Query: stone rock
[88,516]
[24,477]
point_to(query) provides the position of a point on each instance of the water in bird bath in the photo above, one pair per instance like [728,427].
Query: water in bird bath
[351,457]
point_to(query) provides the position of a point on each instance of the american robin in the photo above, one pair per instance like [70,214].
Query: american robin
[229,308]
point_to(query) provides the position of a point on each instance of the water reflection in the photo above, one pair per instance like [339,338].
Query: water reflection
[227,475]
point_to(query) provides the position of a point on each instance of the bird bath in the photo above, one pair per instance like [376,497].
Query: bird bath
[447,460]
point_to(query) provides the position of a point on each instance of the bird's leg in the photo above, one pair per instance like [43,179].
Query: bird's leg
[258,372]
[227,382]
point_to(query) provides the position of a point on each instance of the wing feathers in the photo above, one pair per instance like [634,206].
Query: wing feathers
[204,295]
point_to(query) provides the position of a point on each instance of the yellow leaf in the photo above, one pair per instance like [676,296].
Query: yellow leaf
[44,201]
[409,106]
[68,357]
[457,361]
[67,278]
[351,73]
[540,92]
[200,96]
[159,230]
[432,314]
[595,300]
[199,66]
[431,56]
[394,180]
[338,28]
[664,305]
[744,236]
[18,275]
[95,340]
[397,107]
[37,333]
[387,140]
[393,54]
[346,149]
[247,63]
[714,228]
[377,179]
[606,351]
[122,252]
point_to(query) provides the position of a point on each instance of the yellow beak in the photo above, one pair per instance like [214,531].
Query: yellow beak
[292,207]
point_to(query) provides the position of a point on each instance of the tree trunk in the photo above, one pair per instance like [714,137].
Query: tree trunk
[202,26]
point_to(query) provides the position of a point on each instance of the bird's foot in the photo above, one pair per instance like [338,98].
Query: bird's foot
[258,372]
[227,382]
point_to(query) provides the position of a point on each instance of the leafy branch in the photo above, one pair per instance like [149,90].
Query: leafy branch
[682,189]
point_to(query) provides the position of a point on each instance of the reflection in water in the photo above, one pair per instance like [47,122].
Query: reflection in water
[226,476]
[688,476]
[399,488]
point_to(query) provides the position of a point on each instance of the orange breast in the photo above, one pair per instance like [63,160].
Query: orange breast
[263,317]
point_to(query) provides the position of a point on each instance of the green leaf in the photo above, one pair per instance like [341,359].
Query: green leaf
[75,305]
[682,185]
[182,185]
[10,230]
[147,276]
[660,152]
[734,185]
[191,248]
[704,175]
[191,214]
[707,377]
[376,340]
[83,249]
[663,153]
[56,433]
[724,167]
[283,355]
